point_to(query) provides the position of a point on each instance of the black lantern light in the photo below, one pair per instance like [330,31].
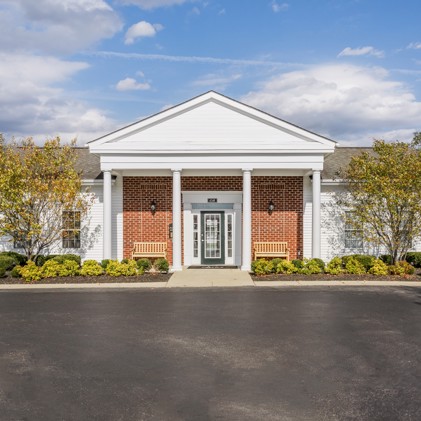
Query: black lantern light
[153,207]
[271,207]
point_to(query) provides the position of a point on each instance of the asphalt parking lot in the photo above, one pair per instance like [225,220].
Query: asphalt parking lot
[313,353]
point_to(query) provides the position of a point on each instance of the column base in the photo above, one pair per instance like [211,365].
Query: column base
[176,269]
[246,268]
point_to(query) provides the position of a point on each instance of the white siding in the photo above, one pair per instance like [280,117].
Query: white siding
[211,126]
[92,228]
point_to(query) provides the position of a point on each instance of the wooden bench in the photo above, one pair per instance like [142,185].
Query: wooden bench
[271,249]
[145,249]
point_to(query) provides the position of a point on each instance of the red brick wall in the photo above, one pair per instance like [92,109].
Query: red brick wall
[284,224]
[138,222]
[225,183]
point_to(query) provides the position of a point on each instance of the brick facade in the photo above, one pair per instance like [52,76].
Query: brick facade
[284,224]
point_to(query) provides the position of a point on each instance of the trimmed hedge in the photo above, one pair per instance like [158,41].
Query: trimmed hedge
[161,265]
[414,258]
[20,258]
[8,262]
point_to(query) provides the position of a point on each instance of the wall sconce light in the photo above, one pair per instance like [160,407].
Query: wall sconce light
[271,207]
[311,177]
[153,207]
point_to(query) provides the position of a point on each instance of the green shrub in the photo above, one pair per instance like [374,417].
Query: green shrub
[286,267]
[8,262]
[275,263]
[299,264]
[115,268]
[69,268]
[387,258]
[50,269]
[53,268]
[379,268]
[161,265]
[319,262]
[124,260]
[31,272]
[263,267]
[15,273]
[414,258]
[61,258]
[311,267]
[144,264]
[104,263]
[20,258]
[259,267]
[401,268]
[41,259]
[354,267]
[408,268]
[2,271]
[366,260]
[91,268]
[335,266]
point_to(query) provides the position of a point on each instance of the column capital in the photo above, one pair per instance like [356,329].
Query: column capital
[247,169]
[176,170]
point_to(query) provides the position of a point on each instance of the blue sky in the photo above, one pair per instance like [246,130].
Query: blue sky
[346,69]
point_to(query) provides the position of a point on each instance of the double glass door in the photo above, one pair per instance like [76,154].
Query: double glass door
[212,238]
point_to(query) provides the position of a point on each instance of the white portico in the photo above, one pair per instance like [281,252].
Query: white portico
[208,160]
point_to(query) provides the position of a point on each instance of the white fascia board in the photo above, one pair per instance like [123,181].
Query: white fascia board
[118,150]
[215,162]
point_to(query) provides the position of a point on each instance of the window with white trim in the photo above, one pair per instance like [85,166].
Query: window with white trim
[195,235]
[71,230]
[353,235]
[229,235]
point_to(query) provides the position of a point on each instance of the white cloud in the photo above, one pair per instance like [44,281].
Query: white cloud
[153,4]
[142,29]
[414,46]
[130,84]
[53,26]
[31,102]
[279,7]
[195,59]
[362,51]
[343,102]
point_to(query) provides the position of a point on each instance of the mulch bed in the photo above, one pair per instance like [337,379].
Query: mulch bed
[146,277]
[344,277]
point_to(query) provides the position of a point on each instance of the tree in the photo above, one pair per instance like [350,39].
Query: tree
[38,184]
[383,195]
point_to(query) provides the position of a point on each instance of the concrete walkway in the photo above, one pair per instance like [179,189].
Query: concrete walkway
[210,278]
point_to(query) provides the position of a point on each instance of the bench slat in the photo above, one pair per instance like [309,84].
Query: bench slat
[149,249]
[271,249]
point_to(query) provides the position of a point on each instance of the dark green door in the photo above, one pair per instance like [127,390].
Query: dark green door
[213,238]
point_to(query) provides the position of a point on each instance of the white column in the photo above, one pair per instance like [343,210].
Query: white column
[316,229]
[107,215]
[246,261]
[176,220]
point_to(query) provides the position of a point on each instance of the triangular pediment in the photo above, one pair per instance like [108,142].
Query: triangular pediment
[211,122]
